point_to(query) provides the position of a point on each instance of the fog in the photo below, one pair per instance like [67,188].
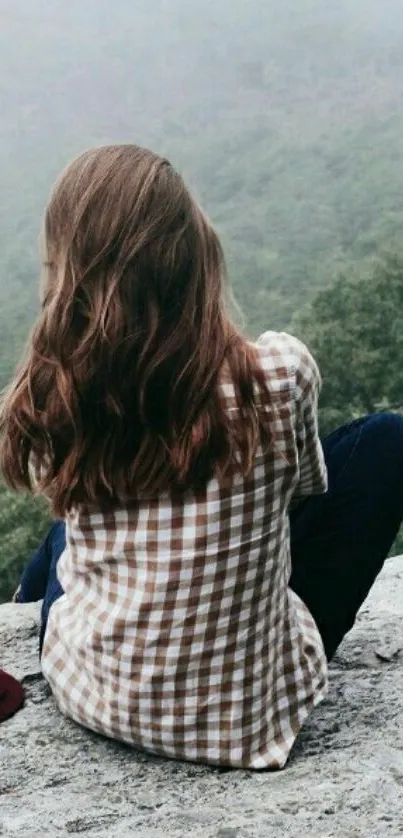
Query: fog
[284,117]
[167,72]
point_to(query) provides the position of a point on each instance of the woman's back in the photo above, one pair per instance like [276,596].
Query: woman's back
[173,450]
[178,631]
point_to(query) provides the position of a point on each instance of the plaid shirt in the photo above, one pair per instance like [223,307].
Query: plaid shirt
[178,632]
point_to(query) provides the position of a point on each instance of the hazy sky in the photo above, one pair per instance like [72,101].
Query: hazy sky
[211,83]
[89,69]
[78,72]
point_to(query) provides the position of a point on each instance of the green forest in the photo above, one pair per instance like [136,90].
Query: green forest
[285,119]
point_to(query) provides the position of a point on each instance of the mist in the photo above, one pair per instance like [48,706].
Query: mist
[285,119]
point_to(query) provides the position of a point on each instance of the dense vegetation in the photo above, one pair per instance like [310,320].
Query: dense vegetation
[355,330]
[286,120]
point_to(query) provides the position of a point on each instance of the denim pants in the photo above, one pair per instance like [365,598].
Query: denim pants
[339,541]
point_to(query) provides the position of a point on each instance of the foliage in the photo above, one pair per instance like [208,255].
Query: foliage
[355,330]
[23,522]
[285,118]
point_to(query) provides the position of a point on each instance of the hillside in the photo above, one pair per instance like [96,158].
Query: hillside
[286,121]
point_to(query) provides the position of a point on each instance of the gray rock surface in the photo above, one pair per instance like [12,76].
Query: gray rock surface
[345,778]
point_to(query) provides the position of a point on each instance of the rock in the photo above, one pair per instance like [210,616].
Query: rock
[344,780]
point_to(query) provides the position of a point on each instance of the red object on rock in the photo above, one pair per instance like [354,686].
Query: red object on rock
[11,695]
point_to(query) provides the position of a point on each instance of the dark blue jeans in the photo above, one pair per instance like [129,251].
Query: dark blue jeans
[339,541]
[39,579]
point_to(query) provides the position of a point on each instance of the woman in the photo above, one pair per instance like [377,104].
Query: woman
[175,454]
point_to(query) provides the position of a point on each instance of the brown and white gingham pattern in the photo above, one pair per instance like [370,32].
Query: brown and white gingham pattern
[178,632]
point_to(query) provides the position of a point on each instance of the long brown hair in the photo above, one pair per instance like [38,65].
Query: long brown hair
[119,393]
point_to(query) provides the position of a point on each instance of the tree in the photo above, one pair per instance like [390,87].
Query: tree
[23,523]
[355,331]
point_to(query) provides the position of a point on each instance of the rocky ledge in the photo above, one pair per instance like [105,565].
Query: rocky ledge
[345,778]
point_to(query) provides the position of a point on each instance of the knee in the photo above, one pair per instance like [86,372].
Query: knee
[386,429]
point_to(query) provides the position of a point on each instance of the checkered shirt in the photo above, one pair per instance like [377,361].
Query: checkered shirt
[178,632]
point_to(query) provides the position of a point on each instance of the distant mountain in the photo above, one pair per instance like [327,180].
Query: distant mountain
[286,118]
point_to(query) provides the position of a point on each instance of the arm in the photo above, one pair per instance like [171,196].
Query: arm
[304,372]
[312,468]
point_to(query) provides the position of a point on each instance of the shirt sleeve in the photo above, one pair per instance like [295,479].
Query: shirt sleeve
[312,468]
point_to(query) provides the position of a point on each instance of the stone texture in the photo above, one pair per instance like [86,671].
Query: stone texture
[345,778]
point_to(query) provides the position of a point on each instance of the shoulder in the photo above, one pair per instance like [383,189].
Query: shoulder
[280,349]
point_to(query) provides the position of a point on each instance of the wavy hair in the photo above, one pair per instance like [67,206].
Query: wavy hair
[118,396]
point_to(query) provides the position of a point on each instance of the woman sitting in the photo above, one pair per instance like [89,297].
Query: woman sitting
[194,590]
